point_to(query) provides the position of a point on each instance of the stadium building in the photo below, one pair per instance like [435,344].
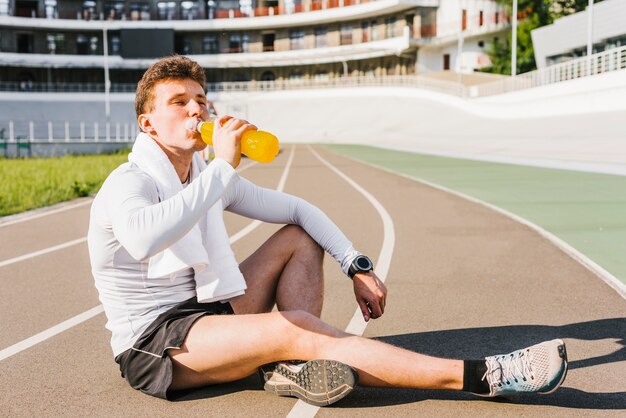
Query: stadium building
[69,45]
[566,38]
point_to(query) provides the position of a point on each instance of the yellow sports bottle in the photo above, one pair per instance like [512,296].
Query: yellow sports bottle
[260,146]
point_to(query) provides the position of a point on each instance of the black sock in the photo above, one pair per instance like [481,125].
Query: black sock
[473,372]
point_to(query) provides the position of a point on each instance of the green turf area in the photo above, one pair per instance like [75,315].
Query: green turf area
[586,210]
[36,182]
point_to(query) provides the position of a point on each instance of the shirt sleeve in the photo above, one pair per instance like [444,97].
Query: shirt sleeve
[145,226]
[272,206]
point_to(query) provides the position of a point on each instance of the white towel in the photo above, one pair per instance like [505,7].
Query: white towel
[217,273]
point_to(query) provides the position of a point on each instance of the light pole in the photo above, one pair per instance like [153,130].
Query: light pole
[459,47]
[589,36]
[107,82]
[514,41]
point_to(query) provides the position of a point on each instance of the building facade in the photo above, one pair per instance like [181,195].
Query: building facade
[63,44]
[566,38]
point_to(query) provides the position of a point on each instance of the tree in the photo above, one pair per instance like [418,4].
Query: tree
[531,15]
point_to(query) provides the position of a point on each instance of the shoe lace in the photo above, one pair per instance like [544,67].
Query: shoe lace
[509,367]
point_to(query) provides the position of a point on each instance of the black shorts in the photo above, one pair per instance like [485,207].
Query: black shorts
[146,366]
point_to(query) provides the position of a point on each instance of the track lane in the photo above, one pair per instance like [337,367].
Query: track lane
[459,275]
[113,397]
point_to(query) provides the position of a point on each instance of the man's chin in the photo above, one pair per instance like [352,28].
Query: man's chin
[199,145]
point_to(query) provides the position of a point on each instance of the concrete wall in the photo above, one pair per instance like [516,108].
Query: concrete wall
[578,122]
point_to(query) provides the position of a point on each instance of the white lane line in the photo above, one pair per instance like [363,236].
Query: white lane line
[613,282]
[357,324]
[44,212]
[42,252]
[80,318]
[50,332]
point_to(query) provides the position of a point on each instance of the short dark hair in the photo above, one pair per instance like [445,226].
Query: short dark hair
[176,67]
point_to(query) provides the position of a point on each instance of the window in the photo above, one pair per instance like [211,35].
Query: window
[116,45]
[373,24]
[390,27]
[211,7]
[114,10]
[210,44]
[480,18]
[346,34]
[56,43]
[50,7]
[166,10]
[268,76]
[365,32]
[139,11]
[296,39]
[26,8]
[82,45]
[4,8]
[239,42]
[464,20]
[93,45]
[25,43]
[268,41]
[182,44]
[189,10]
[321,37]
[89,10]
[497,18]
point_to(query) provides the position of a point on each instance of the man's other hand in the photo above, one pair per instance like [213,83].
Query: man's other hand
[371,294]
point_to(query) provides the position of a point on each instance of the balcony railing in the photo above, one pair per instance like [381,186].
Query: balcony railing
[603,62]
[611,60]
[215,13]
[287,84]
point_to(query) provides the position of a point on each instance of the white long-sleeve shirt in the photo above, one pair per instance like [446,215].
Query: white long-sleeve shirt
[129,224]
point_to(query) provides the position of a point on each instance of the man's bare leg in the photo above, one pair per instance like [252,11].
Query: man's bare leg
[225,348]
[287,271]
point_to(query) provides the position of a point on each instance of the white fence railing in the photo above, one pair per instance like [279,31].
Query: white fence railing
[602,62]
[339,82]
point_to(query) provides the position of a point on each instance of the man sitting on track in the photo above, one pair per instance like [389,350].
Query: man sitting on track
[183,314]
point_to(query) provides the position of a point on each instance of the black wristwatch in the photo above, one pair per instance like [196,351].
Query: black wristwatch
[361,264]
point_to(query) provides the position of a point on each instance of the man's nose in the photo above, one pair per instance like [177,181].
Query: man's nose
[195,108]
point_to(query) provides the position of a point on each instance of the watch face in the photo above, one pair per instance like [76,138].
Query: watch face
[363,264]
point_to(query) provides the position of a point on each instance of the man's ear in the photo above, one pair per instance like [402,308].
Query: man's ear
[145,124]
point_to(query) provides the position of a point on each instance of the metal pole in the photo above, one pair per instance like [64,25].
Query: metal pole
[107,82]
[514,41]
[459,47]
[589,36]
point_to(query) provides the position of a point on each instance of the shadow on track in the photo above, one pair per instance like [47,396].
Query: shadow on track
[476,343]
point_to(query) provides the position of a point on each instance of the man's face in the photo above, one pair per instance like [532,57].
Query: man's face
[174,103]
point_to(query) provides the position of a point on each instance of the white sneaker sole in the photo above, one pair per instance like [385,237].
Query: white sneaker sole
[318,382]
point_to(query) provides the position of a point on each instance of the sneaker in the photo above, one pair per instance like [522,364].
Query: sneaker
[316,382]
[540,368]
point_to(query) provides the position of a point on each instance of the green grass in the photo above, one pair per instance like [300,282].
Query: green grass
[36,182]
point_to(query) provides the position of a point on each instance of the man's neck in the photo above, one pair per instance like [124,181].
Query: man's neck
[180,159]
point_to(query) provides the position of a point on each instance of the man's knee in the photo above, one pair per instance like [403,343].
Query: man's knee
[303,241]
[301,321]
